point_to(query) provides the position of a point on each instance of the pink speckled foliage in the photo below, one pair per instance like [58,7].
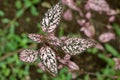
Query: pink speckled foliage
[48,53]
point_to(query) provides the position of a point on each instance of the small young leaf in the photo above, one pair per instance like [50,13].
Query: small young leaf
[72,65]
[117,29]
[19,13]
[112,50]
[28,55]
[35,1]
[18,4]
[45,4]
[1,13]
[75,46]
[53,40]
[27,3]
[47,57]
[5,20]
[34,11]
[52,18]
[36,37]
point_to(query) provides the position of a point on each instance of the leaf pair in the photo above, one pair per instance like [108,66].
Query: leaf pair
[46,55]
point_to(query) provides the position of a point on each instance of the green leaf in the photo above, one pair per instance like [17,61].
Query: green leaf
[63,71]
[5,20]
[27,3]
[12,30]
[93,50]
[6,72]
[111,49]
[86,77]
[20,73]
[27,67]
[61,32]
[19,13]
[45,77]
[35,1]
[39,71]
[40,29]
[34,11]
[28,19]
[1,13]
[117,29]
[45,5]
[18,4]
[99,76]
[108,71]
[106,59]
[69,76]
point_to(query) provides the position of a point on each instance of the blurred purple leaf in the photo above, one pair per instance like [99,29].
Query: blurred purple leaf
[117,63]
[112,18]
[63,38]
[97,5]
[67,62]
[41,66]
[88,15]
[67,57]
[109,26]
[73,66]
[74,75]
[62,60]
[106,37]
[60,66]
[81,22]
[99,46]
[71,4]
[68,15]
[88,30]
[111,12]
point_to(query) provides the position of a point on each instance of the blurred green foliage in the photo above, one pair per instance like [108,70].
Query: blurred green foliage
[11,68]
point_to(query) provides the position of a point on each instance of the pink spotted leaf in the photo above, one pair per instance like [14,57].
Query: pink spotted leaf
[53,40]
[36,37]
[75,46]
[48,59]
[28,55]
[52,18]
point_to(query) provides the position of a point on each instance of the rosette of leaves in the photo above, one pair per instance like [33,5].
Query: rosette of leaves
[47,53]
